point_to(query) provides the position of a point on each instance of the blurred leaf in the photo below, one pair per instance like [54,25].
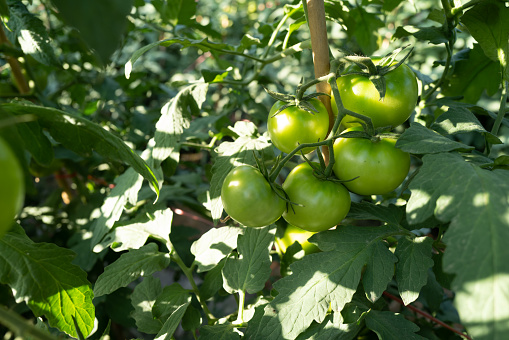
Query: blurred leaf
[388,326]
[251,269]
[42,275]
[390,5]
[435,35]
[31,34]
[364,27]
[36,142]
[432,292]
[414,260]
[130,266]
[214,245]
[418,139]
[143,298]
[219,332]
[109,20]
[476,202]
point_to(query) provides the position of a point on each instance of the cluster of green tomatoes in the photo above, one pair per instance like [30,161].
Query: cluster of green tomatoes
[308,199]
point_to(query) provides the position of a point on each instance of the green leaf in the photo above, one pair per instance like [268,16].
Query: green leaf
[126,190]
[143,298]
[192,319]
[171,324]
[388,326]
[418,139]
[332,328]
[414,260]
[368,211]
[42,275]
[175,118]
[109,22]
[31,34]
[134,234]
[323,279]
[130,266]
[476,202]
[473,76]
[251,269]
[219,332]
[365,28]
[169,307]
[214,245]
[213,281]
[36,142]
[231,155]
[82,136]
[488,24]
[379,271]
[434,34]
[457,120]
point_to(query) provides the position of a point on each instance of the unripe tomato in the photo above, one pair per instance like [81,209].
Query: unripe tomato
[381,167]
[359,95]
[249,199]
[294,126]
[324,203]
[12,187]
[293,234]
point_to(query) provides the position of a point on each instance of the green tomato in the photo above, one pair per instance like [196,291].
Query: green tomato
[249,199]
[293,234]
[324,203]
[294,126]
[359,95]
[12,187]
[381,167]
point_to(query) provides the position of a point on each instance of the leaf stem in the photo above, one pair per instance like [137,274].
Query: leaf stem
[19,78]
[189,274]
[426,96]
[240,314]
[426,315]
[501,110]
[21,326]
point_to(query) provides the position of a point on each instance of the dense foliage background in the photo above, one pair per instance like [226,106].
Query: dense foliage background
[126,115]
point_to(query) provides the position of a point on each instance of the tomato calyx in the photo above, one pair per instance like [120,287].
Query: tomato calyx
[291,100]
[376,73]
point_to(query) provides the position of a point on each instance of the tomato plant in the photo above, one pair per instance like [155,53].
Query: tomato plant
[12,187]
[378,164]
[322,203]
[294,234]
[249,199]
[360,95]
[294,125]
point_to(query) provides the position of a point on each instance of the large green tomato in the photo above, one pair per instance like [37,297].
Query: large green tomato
[249,199]
[294,126]
[359,95]
[12,187]
[381,167]
[293,234]
[324,203]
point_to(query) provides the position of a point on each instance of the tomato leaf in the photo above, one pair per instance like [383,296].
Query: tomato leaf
[129,267]
[434,34]
[219,332]
[414,260]
[215,245]
[213,281]
[251,269]
[379,271]
[169,307]
[368,211]
[56,289]
[417,139]
[476,203]
[388,325]
[143,298]
[333,327]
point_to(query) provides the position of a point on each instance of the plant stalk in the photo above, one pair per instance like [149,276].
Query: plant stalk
[240,314]
[17,72]
[21,327]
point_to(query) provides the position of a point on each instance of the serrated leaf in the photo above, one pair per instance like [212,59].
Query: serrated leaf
[130,266]
[414,260]
[249,272]
[82,136]
[476,202]
[170,299]
[191,319]
[213,281]
[231,155]
[126,190]
[434,34]
[457,120]
[364,28]
[143,298]
[432,293]
[175,118]
[379,271]
[332,328]
[219,332]
[368,211]
[323,279]
[109,18]
[134,235]
[388,326]
[418,139]
[171,324]
[36,142]
[214,245]
[31,34]
[42,275]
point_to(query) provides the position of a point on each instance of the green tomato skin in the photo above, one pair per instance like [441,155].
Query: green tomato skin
[324,203]
[249,199]
[12,187]
[359,95]
[381,167]
[293,234]
[294,126]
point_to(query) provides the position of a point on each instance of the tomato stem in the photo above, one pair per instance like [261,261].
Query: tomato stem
[22,327]
[240,314]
